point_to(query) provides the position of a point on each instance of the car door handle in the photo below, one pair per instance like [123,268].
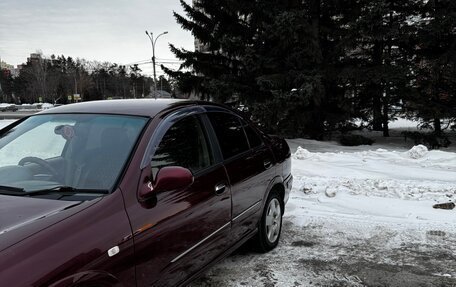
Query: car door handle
[220,188]
[267,164]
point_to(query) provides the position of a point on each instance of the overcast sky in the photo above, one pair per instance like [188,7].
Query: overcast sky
[103,30]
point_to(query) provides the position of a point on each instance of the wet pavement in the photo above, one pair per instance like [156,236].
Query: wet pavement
[320,254]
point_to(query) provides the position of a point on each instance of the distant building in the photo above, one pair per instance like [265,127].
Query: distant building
[34,57]
[10,70]
[15,72]
[6,66]
[199,46]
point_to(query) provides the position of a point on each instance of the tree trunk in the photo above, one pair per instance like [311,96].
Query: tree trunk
[437,126]
[387,96]
[318,118]
[386,115]
[377,91]
[377,110]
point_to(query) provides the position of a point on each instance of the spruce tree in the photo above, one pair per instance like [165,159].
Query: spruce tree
[280,58]
[217,71]
[379,62]
[435,99]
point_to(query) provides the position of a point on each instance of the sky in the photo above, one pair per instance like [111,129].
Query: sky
[102,30]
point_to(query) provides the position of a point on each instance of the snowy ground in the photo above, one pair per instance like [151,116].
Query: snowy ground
[358,216]
[4,123]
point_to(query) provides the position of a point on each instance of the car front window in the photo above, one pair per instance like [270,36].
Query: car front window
[185,144]
[77,151]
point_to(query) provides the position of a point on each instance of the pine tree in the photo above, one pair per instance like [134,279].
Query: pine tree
[6,85]
[435,99]
[216,72]
[379,63]
[281,58]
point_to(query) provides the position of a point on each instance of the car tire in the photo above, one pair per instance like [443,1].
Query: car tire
[270,225]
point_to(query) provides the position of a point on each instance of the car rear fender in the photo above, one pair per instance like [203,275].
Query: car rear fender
[89,279]
[276,184]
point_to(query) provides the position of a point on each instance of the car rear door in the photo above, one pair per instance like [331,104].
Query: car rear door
[249,164]
[179,232]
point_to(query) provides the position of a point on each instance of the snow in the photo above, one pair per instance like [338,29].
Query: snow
[395,181]
[418,152]
[4,123]
[402,123]
[46,106]
[379,185]
[29,107]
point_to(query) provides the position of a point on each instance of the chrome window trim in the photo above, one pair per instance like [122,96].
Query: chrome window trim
[201,242]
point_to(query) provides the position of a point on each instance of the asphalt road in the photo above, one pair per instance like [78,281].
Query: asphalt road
[321,254]
[15,115]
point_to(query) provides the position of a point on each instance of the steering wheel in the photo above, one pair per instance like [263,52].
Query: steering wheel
[41,162]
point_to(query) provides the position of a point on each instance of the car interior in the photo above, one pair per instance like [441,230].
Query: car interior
[92,157]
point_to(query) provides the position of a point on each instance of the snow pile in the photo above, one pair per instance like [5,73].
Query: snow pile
[387,185]
[418,151]
[36,107]
[47,106]
[302,153]
[387,188]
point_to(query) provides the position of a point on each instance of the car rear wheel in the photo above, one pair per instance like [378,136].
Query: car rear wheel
[271,223]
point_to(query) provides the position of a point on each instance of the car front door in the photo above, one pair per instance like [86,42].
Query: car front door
[178,232]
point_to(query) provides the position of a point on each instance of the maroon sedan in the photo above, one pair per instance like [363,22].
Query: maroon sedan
[135,193]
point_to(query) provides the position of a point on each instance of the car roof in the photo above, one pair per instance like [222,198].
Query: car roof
[134,107]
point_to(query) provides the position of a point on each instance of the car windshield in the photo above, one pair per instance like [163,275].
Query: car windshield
[77,152]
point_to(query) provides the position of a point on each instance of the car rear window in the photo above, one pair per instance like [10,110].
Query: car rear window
[230,134]
[253,137]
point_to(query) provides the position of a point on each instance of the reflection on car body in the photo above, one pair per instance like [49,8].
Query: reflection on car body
[135,192]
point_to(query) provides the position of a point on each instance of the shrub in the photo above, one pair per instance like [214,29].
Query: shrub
[355,140]
[430,140]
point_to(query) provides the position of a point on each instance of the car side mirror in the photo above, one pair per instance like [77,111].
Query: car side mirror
[168,179]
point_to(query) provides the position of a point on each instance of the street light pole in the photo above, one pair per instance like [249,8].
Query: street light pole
[153,43]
